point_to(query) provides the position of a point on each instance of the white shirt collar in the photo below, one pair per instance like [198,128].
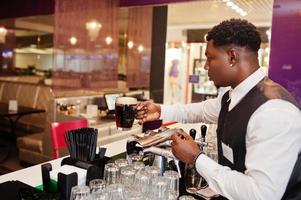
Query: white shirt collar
[245,86]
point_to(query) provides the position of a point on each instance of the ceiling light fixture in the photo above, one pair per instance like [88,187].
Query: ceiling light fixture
[109,40]
[235,7]
[229,3]
[243,13]
[140,48]
[73,40]
[93,28]
[130,44]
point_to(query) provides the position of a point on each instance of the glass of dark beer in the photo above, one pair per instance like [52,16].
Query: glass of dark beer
[125,112]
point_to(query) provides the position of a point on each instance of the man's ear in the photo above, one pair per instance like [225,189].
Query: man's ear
[233,56]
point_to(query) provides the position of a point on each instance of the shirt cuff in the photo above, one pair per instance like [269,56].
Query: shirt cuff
[166,112]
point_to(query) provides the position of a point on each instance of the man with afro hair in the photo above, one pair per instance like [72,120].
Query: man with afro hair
[258,122]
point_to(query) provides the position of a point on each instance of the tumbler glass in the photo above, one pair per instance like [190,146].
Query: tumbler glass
[192,179]
[111,173]
[154,172]
[121,162]
[133,194]
[138,166]
[97,185]
[80,192]
[143,182]
[116,192]
[173,181]
[135,157]
[127,176]
[100,195]
[160,188]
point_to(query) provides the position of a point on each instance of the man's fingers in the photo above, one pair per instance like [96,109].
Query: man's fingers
[140,106]
[140,113]
[176,138]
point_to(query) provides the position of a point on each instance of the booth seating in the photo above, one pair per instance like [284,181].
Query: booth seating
[32,145]
[28,95]
[37,147]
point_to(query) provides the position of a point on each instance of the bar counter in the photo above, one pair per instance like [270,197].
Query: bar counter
[32,175]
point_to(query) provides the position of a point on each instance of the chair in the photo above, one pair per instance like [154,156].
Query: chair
[58,130]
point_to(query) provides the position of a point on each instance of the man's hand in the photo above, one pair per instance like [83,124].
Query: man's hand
[184,147]
[147,111]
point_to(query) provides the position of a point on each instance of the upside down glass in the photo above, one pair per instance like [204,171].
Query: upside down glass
[160,188]
[142,182]
[173,182]
[80,192]
[116,192]
[127,176]
[121,162]
[111,173]
[97,185]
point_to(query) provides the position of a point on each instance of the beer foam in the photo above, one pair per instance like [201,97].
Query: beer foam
[126,100]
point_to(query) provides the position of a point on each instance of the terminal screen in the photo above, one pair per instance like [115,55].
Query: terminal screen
[110,100]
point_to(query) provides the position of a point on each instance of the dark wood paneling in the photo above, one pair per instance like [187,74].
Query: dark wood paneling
[158,53]
[24,8]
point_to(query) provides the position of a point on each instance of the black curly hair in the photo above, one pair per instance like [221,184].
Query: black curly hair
[236,32]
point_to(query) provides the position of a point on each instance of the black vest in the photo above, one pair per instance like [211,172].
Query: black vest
[232,125]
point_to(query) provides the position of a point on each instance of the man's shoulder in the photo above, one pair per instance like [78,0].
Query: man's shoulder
[281,106]
[272,90]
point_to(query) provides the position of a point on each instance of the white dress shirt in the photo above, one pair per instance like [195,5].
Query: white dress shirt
[273,142]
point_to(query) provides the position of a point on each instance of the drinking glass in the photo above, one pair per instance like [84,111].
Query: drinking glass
[154,172]
[160,188]
[80,192]
[135,157]
[125,112]
[121,162]
[100,195]
[116,192]
[97,185]
[138,166]
[192,179]
[127,176]
[111,173]
[173,181]
[133,194]
[143,181]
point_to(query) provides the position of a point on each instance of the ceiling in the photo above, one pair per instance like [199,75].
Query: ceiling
[206,13]
[193,14]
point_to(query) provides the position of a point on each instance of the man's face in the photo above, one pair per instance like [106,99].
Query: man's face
[218,66]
